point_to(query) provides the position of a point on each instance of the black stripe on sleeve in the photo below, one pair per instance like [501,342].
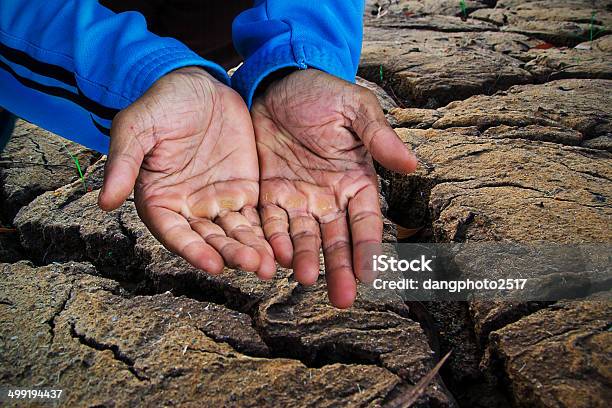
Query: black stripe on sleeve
[45,69]
[104,130]
[92,106]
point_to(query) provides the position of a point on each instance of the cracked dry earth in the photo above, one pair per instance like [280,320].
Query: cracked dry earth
[509,112]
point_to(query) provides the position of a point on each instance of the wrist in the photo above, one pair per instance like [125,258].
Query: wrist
[194,70]
[272,78]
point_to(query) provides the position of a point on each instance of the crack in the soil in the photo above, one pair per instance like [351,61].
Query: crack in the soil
[587,173]
[210,292]
[509,317]
[409,97]
[311,355]
[117,353]
[525,122]
[57,312]
[198,350]
[234,344]
[125,231]
[572,201]
[505,184]
[38,149]
[322,355]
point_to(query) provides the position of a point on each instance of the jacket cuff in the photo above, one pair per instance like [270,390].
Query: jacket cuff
[269,59]
[160,62]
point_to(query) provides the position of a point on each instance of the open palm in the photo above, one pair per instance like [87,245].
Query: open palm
[187,148]
[315,134]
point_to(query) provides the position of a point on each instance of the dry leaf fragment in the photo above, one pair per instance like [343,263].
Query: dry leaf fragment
[408,399]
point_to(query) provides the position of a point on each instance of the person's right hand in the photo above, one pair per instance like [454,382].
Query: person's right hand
[188,147]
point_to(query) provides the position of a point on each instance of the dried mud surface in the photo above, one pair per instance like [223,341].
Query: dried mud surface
[508,109]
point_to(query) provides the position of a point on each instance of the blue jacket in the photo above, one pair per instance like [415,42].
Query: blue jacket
[70,65]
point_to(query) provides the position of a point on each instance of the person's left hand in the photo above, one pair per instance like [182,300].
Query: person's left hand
[314,135]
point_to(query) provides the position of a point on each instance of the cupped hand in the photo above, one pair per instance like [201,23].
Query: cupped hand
[315,137]
[187,149]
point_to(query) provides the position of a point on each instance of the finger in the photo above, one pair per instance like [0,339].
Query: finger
[366,231]
[122,166]
[237,226]
[339,275]
[236,254]
[305,235]
[382,142]
[175,233]
[276,230]
[250,213]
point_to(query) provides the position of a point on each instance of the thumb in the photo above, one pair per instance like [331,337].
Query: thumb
[125,156]
[382,142]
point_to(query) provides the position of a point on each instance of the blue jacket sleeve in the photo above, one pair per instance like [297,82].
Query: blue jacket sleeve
[70,65]
[276,34]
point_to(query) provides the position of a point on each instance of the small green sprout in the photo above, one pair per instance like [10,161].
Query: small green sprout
[78,166]
[463,9]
